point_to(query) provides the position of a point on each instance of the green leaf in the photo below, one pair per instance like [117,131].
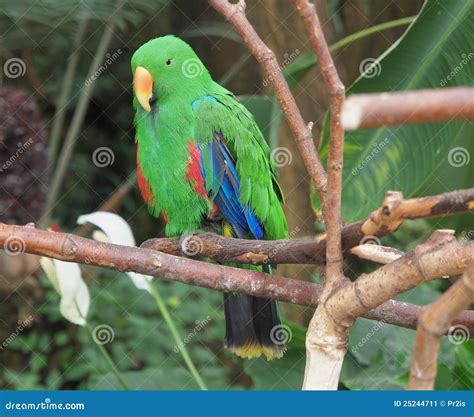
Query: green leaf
[408,157]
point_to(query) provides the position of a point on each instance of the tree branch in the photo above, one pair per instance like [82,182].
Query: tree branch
[363,111]
[309,250]
[72,248]
[434,322]
[336,91]
[395,210]
[441,255]
[326,341]
[235,14]
[376,253]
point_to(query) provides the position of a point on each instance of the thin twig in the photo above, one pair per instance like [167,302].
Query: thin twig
[363,111]
[326,340]
[436,321]
[395,210]
[336,91]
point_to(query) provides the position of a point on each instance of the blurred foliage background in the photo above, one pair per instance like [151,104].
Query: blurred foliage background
[73,96]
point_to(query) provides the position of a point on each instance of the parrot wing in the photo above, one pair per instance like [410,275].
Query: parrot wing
[238,175]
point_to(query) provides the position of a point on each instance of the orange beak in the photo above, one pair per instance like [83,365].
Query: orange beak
[143,86]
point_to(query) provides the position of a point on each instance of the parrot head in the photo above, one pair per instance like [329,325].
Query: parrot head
[166,67]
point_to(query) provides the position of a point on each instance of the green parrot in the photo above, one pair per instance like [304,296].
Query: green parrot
[203,162]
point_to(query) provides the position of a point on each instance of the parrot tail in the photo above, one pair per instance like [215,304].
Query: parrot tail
[253,326]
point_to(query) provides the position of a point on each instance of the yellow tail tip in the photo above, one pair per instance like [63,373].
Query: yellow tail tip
[253,350]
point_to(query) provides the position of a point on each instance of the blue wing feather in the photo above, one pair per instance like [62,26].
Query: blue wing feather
[226,189]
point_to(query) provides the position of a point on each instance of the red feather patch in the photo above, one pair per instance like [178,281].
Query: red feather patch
[143,184]
[194,175]
[194,169]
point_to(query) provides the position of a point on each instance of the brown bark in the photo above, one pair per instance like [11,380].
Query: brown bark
[284,33]
[392,213]
[363,111]
[435,321]
[441,255]
[73,248]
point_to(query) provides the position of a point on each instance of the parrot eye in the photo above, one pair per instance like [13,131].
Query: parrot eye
[168,62]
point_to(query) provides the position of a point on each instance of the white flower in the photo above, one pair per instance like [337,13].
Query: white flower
[67,281]
[115,230]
